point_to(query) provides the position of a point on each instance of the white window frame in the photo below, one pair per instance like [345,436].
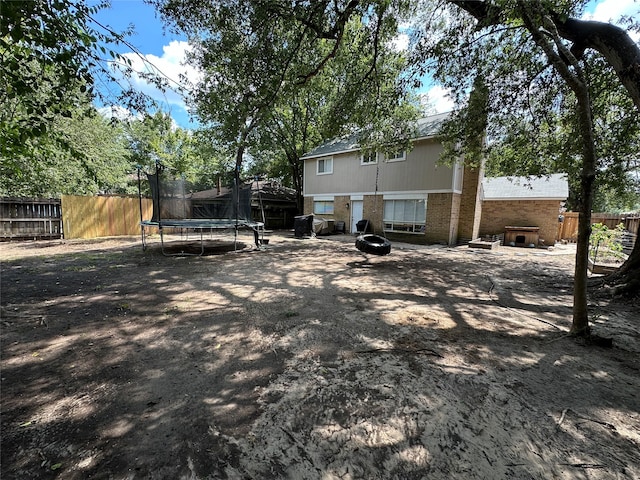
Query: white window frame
[365,159]
[324,163]
[397,158]
[326,203]
[416,226]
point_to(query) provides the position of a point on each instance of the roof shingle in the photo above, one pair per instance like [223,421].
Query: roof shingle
[426,127]
[550,187]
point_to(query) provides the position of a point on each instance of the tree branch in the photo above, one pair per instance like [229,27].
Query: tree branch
[612,42]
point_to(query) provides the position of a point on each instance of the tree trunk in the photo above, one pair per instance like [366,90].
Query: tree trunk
[580,325]
[296,172]
[626,280]
[236,176]
[632,264]
[623,55]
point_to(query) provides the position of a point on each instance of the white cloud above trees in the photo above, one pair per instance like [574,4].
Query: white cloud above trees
[171,65]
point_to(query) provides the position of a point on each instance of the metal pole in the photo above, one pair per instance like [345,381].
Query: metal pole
[158,168]
[264,220]
[140,202]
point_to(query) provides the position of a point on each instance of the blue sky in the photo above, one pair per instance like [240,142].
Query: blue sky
[165,50]
[149,36]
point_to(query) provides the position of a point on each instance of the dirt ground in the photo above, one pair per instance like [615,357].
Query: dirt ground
[308,359]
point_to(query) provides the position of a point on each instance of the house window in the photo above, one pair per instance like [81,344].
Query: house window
[397,156]
[323,207]
[370,158]
[406,216]
[325,166]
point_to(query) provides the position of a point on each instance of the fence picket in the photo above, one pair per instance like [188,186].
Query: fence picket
[568,229]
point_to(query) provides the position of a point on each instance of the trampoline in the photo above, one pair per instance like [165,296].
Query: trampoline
[173,210]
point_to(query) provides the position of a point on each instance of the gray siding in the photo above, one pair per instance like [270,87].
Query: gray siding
[417,173]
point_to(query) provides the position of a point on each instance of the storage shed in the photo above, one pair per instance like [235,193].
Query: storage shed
[531,202]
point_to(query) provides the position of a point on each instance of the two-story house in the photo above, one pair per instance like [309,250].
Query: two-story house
[408,195]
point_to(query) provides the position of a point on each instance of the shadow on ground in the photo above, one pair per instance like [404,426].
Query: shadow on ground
[309,359]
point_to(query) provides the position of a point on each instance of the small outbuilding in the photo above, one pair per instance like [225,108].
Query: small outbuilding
[271,203]
[525,208]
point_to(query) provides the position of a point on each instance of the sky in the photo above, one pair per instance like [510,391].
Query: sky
[166,51]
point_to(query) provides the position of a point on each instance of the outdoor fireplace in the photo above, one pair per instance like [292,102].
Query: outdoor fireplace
[521,236]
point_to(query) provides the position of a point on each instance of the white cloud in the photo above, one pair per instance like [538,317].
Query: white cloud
[171,66]
[118,112]
[437,98]
[612,10]
[400,43]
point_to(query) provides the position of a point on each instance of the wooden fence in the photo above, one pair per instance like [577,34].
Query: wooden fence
[30,218]
[108,216]
[568,229]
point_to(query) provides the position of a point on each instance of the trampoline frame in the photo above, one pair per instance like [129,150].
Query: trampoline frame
[200,225]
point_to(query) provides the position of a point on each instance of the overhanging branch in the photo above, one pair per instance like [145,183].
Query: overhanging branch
[611,41]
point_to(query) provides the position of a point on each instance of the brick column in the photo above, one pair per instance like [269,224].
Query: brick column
[470,204]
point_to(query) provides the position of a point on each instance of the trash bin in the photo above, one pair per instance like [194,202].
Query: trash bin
[302,226]
[363,226]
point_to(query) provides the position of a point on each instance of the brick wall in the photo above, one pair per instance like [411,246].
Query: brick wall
[373,208]
[521,213]
[308,205]
[455,218]
[439,219]
[340,210]
[443,213]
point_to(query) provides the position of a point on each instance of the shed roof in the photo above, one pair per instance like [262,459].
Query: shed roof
[425,128]
[552,187]
[267,190]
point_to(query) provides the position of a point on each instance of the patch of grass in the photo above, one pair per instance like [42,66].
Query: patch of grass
[78,268]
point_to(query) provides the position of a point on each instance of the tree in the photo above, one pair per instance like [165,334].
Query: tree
[44,48]
[83,154]
[154,140]
[191,155]
[52,52]
[550,29]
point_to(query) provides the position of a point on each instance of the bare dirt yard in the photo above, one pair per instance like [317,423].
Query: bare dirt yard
[309,360]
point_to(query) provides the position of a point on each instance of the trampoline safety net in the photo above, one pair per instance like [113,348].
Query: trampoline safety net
[171,202]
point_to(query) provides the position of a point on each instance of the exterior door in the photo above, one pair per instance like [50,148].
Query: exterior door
[356,213]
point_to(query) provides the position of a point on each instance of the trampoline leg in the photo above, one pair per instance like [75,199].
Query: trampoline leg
[162,242]
[144,239]
[256,237]
[235,239]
